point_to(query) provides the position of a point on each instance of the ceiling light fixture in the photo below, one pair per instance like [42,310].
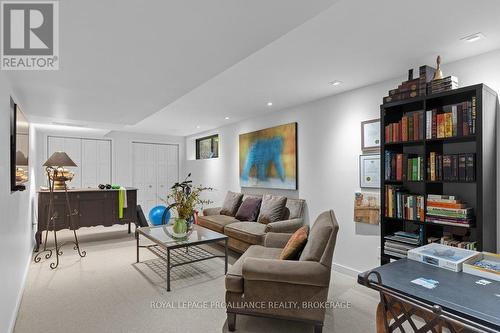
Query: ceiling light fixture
[336,83]
[269,103]
[227,118]
[198,126]
[473,38]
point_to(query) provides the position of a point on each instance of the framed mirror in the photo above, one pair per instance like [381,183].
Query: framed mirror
[19,151]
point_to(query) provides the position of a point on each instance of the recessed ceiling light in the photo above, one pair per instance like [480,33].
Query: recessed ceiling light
[227,118]
[269,103]
[336,83]
[198,126]
[474,37]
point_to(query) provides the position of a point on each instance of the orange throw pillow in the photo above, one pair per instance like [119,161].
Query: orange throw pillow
[295,244]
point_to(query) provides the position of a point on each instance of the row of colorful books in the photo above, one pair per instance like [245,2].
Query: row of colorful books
[448,210]
[409,128]
[454,120]
[450,241]
[402,205]
[394,167]
[451,167]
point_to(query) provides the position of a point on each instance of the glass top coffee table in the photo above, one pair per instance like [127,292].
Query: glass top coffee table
[181,252]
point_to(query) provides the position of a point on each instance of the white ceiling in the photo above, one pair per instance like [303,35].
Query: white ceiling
[121,61]
[229,60]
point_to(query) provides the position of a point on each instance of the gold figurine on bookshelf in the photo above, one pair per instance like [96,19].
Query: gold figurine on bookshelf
[438,74]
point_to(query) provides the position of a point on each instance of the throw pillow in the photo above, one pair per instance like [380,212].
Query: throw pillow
[271,209]
[249,209]
[295,244]
[231,203]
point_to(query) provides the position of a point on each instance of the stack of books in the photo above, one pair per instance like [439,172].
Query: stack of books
[444,84]
[454,120]
[410,128]
[402,205]
[412,87]
[400,242]
[451,167]
[448,239]
[448,210]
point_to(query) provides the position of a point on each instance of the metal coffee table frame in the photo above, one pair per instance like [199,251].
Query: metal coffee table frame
[182,252]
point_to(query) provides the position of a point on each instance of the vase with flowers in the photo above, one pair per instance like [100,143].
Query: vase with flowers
[184,198]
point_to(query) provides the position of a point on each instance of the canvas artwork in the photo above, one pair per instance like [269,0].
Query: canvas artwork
[367,207]
[268,158]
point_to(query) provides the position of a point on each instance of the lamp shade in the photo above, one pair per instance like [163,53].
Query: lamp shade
[59,159]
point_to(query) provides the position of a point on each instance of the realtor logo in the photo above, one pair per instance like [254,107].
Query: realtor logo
[29,35]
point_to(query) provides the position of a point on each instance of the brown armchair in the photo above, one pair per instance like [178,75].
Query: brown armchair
[260,284]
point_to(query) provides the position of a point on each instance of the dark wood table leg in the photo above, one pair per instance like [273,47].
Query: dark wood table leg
[137,242]
[225,256]
[129,228]
[168,269]
[38,239]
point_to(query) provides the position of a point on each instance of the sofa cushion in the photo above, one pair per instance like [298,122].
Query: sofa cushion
[216,222]
[294,209]
[249,209]
[271,209]
[295,244]
[234,277]
[231,203]
[249,232]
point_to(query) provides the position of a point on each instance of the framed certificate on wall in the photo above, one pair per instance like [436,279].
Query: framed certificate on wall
[369,171]
[370,135]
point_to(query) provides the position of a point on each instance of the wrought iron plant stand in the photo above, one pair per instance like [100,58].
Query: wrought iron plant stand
[52,175]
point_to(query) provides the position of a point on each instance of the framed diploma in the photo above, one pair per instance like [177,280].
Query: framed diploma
[369,171]
[370,135]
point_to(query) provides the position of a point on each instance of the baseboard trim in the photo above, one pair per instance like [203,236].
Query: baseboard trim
[345,270]
[20,294]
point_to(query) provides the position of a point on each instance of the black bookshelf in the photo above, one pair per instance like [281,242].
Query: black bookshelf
[479,194]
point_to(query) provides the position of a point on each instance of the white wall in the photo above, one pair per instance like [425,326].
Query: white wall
[328,152]
[16,241]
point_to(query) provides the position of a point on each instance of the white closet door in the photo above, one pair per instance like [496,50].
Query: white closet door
[172,165]
[96,167]
[103,162]
[72,147]
[145,175]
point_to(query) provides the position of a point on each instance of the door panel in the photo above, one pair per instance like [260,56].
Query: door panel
[96,168]
[155,170]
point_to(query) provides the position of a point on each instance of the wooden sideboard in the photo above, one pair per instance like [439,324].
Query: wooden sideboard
[94,207]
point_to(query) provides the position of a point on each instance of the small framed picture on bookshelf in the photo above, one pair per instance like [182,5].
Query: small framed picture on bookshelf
[369,171]
[370,135]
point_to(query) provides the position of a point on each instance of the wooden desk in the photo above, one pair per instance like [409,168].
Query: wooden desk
[94,206]
[457,301]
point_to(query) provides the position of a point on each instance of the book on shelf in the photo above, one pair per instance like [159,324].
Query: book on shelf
[448,210]
[401,205]
[449,240]
[409,128]
[454,120]
[451,167]
[441,85]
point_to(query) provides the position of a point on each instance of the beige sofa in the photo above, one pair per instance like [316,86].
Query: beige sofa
[260,277]
[244,234]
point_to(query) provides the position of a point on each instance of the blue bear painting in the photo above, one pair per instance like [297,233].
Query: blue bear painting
[268,158]
[261,153]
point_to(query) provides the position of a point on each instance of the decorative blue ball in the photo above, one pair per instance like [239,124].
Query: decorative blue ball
[156,214]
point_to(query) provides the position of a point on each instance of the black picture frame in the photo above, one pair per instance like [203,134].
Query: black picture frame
[14,184]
